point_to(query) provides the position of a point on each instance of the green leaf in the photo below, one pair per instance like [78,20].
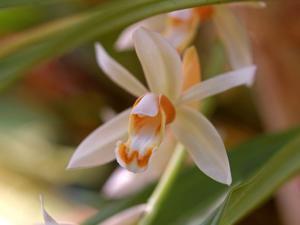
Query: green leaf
[258,168]
[280,167]
[17,18]
[53,39]
[14,3]
[28,140]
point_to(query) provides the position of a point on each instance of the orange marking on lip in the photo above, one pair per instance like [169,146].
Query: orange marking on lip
[139,121]
[143,162]
[204,12]
[157,130]
[128,158]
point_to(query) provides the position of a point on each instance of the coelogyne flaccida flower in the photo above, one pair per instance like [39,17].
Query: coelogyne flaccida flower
[134,136]
[180,28]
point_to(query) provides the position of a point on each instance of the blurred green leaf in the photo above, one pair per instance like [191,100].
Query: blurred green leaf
[258,168]
[14,3]
[17,18]
[28,138]
[282,165]
[27,49]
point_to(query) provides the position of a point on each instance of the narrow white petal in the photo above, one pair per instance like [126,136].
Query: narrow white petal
[117,73]
[127,217]
[147,106]
[123,182]
[155,23]
[203,142]
[220,83]
[98,147]
[160,61]
[234,37]
[124,41]
[48,220]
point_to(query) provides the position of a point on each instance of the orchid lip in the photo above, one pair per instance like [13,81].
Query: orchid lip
[149,116]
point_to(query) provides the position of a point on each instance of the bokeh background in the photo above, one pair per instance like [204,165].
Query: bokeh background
[45,113]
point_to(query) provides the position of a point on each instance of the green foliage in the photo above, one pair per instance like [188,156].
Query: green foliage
[28,140]
[27,49]
[258,167]
[14,3]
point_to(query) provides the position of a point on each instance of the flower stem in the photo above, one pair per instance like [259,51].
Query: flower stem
[166,182]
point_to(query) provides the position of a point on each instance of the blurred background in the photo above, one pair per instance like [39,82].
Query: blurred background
[46,112]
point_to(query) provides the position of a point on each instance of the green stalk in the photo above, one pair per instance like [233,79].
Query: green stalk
[161,191]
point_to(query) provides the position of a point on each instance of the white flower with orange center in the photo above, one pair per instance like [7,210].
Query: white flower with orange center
[180,28]
[134,136]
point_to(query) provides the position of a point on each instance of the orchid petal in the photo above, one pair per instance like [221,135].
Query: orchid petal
[160,61]
[182,36]
[191,68]
[146,106]
[48,220]
[234,37]
[220,83]
[127,217]
[118,73]
[123,182]
[181,28]
[203,142]
[98,147]
[124,41]
[155,23]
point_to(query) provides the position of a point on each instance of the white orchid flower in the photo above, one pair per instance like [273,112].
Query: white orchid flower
[164,108]
[182,24]
[180,28]
[120,183]
[48,220]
